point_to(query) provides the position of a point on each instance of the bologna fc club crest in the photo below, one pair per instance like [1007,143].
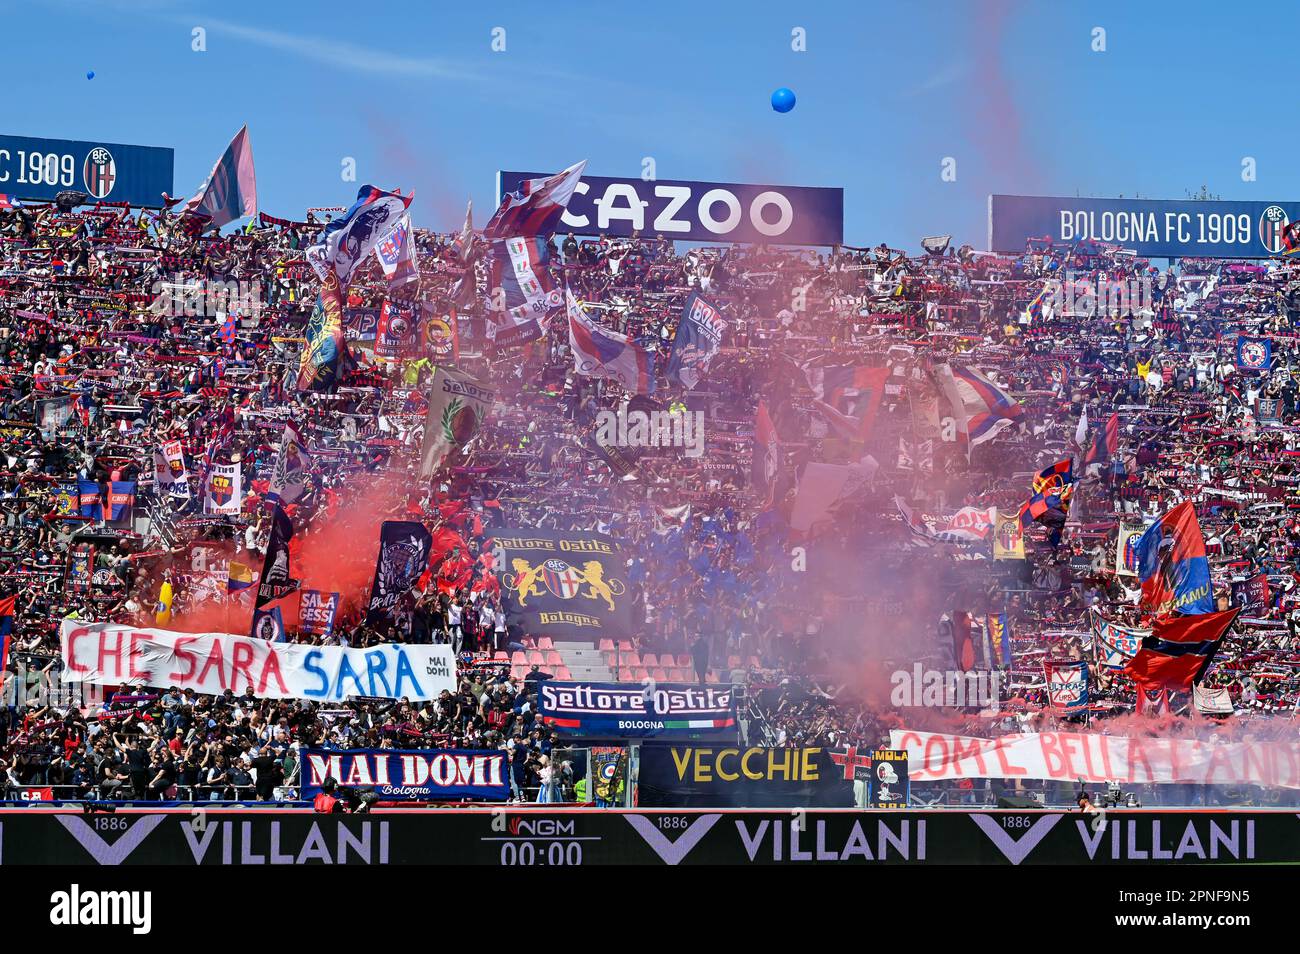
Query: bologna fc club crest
[100,172]
[563,580]
[1272,226]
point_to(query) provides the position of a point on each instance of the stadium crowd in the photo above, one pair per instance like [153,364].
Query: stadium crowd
[122,329]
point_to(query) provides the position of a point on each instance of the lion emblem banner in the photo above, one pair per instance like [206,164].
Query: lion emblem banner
[565,583]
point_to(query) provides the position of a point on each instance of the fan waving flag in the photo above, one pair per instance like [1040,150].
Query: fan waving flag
[230,191]
[353,236]
[600,353]
[535,209]
[1172,565]
[1053,487]
[396,254]
[981,409]
[1179,650]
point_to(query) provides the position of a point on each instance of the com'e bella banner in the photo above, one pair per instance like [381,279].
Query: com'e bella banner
[1071,756]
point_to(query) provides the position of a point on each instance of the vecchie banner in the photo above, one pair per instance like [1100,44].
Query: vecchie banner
[415,775]
[689,777]
[565,583]
[1156,228]
[692,211]
[628,711]
[107,654]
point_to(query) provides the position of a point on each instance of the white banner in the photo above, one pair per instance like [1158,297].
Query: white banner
[225,490]
[1069,757]
[110,654]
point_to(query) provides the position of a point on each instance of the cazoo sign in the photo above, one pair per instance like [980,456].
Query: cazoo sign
[698,211]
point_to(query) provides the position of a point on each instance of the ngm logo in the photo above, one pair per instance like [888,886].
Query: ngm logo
[542,827]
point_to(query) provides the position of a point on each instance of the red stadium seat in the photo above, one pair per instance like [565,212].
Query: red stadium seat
[545,643]
[605,644]
[562,672]
[501,655]
[535,658]
[685,661]
[553,658]
[659,675]
[650,660]
[518,659]
[625,645]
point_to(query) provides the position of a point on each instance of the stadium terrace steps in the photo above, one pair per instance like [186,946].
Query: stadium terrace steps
[584,661]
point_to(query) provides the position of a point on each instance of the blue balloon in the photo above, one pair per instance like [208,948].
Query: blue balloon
[90,74]
[783,100]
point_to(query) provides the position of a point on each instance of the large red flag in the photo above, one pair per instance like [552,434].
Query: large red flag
[1179,650]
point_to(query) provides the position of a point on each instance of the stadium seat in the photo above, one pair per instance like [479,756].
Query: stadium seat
[659,675]
[501,656]
[518,659]
[685,661]
[650,660]
[519,672]
[605,644]
[639,673]
[625,645]
[553,658]
[545,643]
[733,662]
[535,658]
[631,660]
[562,672]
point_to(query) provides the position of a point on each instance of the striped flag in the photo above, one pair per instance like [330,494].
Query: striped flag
[601,353]
[981,409]
[230,191]
[535,209]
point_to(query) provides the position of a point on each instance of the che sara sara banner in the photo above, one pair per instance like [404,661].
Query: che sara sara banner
[1099,758]
[622,711]
[417,775]
[109,654]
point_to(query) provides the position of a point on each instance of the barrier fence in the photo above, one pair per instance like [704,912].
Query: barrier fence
[562,837]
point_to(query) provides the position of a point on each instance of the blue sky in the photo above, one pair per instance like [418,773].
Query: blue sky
[886,90]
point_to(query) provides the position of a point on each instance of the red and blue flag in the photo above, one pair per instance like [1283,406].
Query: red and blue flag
[1179,650]
[536,207]
[1172,565]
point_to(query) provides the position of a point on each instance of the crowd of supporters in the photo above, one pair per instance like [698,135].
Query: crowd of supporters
[122,329]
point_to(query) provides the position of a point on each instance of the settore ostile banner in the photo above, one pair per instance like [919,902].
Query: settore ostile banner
[108,654]
[1154,228]
[622,711]
[414,774]
[692,211]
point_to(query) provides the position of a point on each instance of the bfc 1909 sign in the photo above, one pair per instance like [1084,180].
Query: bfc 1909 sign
[698,211]
[105,171]
[1155,228]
